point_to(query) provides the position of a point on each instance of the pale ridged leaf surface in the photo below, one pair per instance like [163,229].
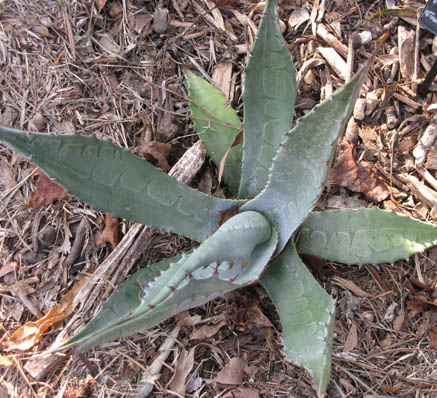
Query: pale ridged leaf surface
[306,313]
[268,100]
[234,256]
[114,180]
[302,162]
[364,236]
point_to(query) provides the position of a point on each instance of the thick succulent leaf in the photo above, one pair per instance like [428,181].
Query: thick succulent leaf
[268,99]
[302,162]
[217,125]
[234,256]
[114,180]
[364,236]
[306,312]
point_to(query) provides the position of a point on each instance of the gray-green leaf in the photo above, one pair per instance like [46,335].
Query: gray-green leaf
[217,125]
[268,100]
[114,180]
[306,312]
[302,163]
[234,256]
[364,236]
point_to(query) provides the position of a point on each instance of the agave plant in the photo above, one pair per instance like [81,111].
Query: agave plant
[282,171]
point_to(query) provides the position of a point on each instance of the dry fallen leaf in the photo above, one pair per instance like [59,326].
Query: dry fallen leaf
[100,4]
[349,285]
[351,339]
[166,127]
[110,232]
[232,373]
[298,17]
[184,319]
[115,9]
[238,140]
[184,364]
[242,393]
[432,332]
[356,177]
[142,23]
[38,122]
[249,317]
[5,361]
[432,336]
[420,304]
[158,151]
[43,32]
[160,19]
[207,331]
[227,214]
[28,335]
[223,3]
[46,191]
[109,44]
[398,322]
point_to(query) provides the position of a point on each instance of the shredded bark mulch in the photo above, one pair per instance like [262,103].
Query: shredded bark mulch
[114,69]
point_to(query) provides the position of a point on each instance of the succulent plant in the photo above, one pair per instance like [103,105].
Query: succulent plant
[283,171]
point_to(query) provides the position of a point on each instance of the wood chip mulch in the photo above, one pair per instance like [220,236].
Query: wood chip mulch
[114,69]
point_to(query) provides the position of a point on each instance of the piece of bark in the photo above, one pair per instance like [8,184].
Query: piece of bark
[326,90]
[313,17]
[406,52]
[337,63]
[77,246]
[360,109]
[427,195]
[431,159]
[392,119]
[373,99]
[354,43]
[166,128]
[308,65]
[147,381]
[216,13]
[298,17]
[331,40]
[222,76]
[190,163]
[427,176]
[408,101]
[425,143]
[19,291]
[351,339]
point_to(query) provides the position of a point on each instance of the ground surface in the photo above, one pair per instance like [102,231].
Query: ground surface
[113,69]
